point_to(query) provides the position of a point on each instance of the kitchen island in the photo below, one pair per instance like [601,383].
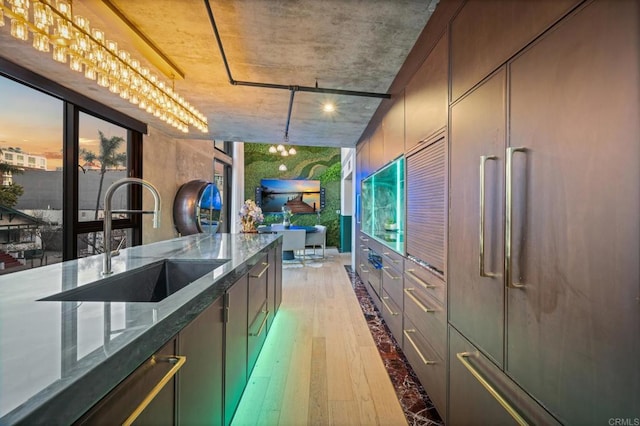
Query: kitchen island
[58,359]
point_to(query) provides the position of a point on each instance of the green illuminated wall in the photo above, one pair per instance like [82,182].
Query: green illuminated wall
[309,163]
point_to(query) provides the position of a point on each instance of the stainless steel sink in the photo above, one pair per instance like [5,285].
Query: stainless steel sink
[150,283]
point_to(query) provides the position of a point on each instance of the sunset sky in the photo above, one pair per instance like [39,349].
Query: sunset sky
[32,120]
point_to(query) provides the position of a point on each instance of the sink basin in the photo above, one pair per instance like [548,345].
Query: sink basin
[149,283]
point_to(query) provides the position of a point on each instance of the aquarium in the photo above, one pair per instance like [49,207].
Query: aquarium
[383,204]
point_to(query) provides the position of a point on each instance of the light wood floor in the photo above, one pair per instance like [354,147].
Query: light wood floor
[319,364]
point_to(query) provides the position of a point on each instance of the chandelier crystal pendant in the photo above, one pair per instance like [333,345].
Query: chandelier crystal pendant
[88,51]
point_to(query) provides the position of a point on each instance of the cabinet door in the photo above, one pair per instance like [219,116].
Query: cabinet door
[376,150]
[200,380]
[477,132]
[119,404]
[393,129]
[471,375]
[573,328]
[271,286]
[488,32]
[427,97]
[235,355]
[278,277]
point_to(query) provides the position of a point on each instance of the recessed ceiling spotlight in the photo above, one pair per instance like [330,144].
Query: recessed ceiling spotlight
[328,107]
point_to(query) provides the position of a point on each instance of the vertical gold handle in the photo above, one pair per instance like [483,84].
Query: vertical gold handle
[264,321]
[494,393]
[406,334]
[509,217]
[483,161]
[178,362]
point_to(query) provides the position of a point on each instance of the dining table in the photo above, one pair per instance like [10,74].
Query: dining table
[276,227]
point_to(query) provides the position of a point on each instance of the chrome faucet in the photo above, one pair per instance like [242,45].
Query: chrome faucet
[106,264]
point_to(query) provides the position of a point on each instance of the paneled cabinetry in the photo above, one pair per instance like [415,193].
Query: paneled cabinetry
[200,379]
[567,175]
[427,95]
[393,129]
[376,150]
[486,33]
[258,311]
[235,342]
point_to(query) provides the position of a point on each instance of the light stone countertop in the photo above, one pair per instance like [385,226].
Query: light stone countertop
[58,358]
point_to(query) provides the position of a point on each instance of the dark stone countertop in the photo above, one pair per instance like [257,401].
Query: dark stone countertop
[57,359]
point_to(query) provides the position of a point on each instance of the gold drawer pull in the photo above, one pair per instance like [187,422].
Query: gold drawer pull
[406,334]
[418,279]
[266,266]
[363,238]
[384,269]
[383,298]
[408,291]
[178,362]
[264,321]
[386,253]
[494,393]
[362,267]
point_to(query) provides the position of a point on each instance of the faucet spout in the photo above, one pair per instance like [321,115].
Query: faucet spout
[108,212]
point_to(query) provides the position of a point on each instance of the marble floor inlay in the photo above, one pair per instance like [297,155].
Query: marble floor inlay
[415,402]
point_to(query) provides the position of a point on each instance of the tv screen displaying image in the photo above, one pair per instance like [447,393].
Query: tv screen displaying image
[300,195]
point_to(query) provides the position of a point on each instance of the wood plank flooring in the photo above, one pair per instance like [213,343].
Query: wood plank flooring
[319,364]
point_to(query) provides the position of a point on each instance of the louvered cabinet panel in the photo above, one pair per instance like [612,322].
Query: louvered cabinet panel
[427,202]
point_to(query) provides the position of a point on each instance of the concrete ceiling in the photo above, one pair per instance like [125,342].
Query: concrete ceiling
[354,45]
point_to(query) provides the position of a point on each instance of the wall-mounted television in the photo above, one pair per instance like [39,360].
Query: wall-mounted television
[299,195]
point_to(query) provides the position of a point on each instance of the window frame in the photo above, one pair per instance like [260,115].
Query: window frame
[72,104]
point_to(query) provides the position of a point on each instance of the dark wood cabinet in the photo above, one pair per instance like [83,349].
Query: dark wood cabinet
[557,308]
[200,380]
[476,238]
[573,278]
[235,342]
[258,311]
[376,150]
[486,33]
[480,393]
[427,96]
[393,129]
[123,403]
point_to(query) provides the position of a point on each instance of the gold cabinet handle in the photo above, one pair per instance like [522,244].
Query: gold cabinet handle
[384,269]
[406,334]
[264,321]
[494,393]
[383,298]
[266,266]
[178,362]
[363,238]
[418,279]
[408,292]
[509,217]
[362,267]
[483,161]
[386,253]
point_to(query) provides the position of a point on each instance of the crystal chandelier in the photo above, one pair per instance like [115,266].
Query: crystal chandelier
[69,37]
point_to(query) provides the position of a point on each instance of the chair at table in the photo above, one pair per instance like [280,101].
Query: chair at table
[293,240]
[318,238]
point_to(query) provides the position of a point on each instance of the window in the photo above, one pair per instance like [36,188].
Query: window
[31,122]
[58,137]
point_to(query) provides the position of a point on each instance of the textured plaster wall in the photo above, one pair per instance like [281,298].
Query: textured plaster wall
[167,164]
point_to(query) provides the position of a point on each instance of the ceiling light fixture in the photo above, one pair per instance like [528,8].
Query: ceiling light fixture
[282,167]
[328,107]
[89,50]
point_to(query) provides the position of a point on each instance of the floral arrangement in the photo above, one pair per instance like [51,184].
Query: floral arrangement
[250,216]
